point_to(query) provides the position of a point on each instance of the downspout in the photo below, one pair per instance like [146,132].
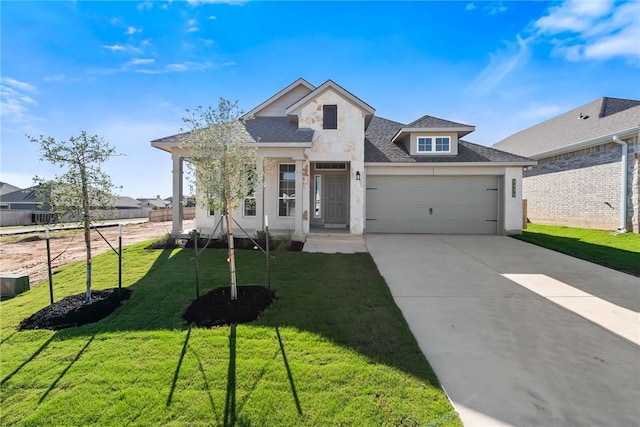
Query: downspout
[623,184]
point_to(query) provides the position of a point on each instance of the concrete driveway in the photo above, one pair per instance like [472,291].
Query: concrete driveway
[517,334]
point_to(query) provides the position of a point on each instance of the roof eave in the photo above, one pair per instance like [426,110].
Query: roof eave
[586,143]
[522,163]
[293,85]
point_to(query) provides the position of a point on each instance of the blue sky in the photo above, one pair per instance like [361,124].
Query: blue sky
[128,70]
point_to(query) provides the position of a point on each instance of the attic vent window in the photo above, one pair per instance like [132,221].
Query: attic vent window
[329,117]
[331,166]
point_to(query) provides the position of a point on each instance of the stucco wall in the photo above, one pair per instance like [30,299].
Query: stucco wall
[512,201]
[580,189]
[344,144]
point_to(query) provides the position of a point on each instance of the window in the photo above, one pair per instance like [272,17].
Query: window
[249,206]
[317,196]
[331,166]
[249,202]
[329,117]
[434,144]
[287,190]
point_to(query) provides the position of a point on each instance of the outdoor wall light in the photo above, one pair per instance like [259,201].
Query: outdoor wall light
[357,175]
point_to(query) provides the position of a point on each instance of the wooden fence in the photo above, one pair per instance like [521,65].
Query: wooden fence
[159,215]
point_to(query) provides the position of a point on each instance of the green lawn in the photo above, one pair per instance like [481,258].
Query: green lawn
[620,252]
[332,350]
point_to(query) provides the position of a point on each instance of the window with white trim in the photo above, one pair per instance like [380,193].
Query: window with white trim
[249,201]
[287,190]
[434,144]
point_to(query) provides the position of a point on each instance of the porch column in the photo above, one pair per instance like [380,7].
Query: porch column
[176,228]
[260,192]
[300,207]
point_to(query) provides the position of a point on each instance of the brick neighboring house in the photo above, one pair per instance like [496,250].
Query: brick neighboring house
[588,172]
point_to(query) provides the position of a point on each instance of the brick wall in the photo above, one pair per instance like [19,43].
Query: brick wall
[580,189]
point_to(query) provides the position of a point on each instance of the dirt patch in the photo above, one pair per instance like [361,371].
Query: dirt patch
[216,307]
[27,254]
[75,311]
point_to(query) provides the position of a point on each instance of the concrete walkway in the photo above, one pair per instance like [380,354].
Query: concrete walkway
[517,334]
[334,243]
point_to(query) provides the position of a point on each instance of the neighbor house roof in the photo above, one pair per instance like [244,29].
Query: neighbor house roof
[380,148]
[602,117]
[26,196]
[124,202]
[7,188]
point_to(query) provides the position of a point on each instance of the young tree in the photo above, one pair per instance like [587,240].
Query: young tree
[222,166]
[83,191]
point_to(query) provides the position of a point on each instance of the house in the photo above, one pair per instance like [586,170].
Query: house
[23,200]
[5,188]
[152,203]
[125,203]
[331,163]
[588,172]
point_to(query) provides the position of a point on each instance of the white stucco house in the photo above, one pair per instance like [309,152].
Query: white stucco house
[333,164]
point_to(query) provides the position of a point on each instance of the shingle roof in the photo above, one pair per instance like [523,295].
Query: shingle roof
[601,117]
[7,188]
[379,148]
[434,122]
[277,129]
[125,202]
[263,129]
[28,195]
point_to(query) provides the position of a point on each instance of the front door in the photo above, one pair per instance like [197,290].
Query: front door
[335,201]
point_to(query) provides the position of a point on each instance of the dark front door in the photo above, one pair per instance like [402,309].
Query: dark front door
[335,199]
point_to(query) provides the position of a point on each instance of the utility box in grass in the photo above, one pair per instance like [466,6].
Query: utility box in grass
[13,284]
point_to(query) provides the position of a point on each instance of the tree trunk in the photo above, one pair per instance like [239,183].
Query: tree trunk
[231,258]
[87,228]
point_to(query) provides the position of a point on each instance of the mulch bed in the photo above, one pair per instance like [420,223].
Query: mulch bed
[74,311]
[216,308]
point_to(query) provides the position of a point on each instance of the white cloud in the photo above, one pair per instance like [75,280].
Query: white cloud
[122,48]
[16,84]
[145,5]
[193,29]
[141,61]
[592,30]
[16,100]
[494,8]
[212,17]
[573,16]
[501,64]
[114,47]
[179,67]
[132,30]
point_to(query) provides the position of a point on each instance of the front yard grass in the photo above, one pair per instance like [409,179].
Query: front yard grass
[619,252]
[332,350]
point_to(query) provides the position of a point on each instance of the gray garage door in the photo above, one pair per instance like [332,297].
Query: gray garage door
[432,204]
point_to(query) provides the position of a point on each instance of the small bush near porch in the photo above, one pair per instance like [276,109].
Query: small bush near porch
[333,349]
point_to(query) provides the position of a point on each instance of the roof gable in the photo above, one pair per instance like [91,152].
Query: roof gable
[276,104]
[599,118]
[293,109]
[380,148]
